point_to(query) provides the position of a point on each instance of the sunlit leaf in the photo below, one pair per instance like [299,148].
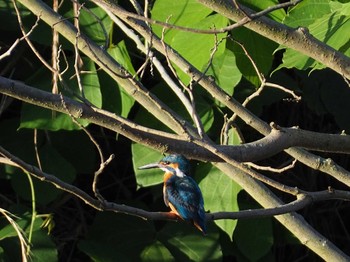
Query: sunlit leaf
[225,71]
[115,99]
[142,155]
[330,24]
[181,12]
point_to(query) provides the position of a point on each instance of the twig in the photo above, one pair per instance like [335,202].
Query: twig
[27,39]
[54,54]
[36,148]
[18,40]
[271,169]
[103,163]
[77,58]
[21,235]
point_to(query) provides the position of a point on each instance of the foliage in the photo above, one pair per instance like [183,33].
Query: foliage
[65,150]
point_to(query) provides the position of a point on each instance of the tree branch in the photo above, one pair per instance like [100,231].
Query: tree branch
[276,141]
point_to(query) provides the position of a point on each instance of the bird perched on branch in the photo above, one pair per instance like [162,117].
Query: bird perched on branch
[181,193]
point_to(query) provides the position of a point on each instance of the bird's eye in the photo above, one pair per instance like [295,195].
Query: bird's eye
[166,162]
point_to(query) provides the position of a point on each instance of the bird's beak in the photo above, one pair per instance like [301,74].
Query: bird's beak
[148,166]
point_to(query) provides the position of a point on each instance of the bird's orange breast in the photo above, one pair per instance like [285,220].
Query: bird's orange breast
[167,175]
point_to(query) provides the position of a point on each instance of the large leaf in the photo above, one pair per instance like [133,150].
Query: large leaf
[94,22]
[254,237]
[219,193]
[330,25]
[142,155]
[262,56]
[204,43]
[156,251]
[115,99]
[52,163]
[186,243]
[181,12]
[277,15]
[305,13]
[116,237]
[225,71]
[190,13]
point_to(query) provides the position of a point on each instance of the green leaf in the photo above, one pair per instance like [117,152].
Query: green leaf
[156,251]
[115,99]
[142,155]
[305,13]
[203,42]
[116,237]
[52,163]
[120,53]
[93,22]
[277,15]
[331,28]
[37,117]
[42,247]
[191,14]
[219,193]
[181,13]
[254,238]
[225,71]
[186,243]
[262,56]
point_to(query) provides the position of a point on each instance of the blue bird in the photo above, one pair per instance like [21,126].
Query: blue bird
[180,191]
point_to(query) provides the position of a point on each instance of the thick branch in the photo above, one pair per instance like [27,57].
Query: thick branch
[277,141]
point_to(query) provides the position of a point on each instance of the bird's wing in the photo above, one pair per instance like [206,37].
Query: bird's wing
[185,196]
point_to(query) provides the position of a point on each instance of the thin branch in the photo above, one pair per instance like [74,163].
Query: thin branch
[42,60]
[272,169]
[21,235]
[18,40]
[77,58]
[303,199]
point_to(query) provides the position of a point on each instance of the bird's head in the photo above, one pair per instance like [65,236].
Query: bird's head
[176,164]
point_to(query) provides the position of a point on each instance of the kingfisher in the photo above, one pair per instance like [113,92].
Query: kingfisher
[180,192]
